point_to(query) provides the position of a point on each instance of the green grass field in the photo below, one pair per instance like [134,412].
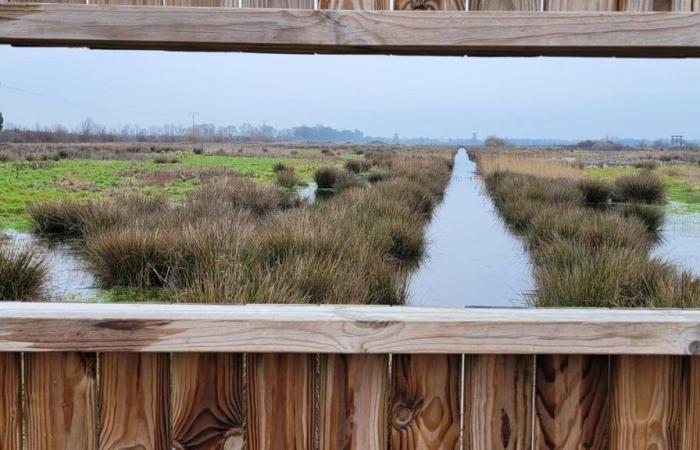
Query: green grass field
[25,182]
[682,183]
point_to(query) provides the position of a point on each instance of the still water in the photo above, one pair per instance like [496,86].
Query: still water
[680,241]
[473,260]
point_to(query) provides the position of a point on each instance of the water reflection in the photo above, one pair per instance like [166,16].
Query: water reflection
[473,260]
[681,241]
[68,279]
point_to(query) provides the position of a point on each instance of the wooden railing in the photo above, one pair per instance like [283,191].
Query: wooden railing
[346,377]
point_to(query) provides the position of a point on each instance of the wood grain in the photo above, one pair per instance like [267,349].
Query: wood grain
[354,396]
[128,2]
[498,402]
[691,422]
[580,5]
[656,5]
[366,5]
[572,402]
[429,5]
[425,412]
[504,5]
[134,401]
[353,32]
[10,412]
[61,408]
[289,4]
[281,390]
[696,5]
[345,329]
[208,401]
[646,402]
[203,3]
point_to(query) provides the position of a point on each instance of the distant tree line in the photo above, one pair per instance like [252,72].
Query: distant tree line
[90,131]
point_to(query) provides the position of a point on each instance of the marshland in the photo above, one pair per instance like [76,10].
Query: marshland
[359,224]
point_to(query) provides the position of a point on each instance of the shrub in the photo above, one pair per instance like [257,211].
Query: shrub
[595,192]
[358,165]
[288,178]
[647,164]
[329,177]
[644,187]
[166,159]
[198,150]
[22,273]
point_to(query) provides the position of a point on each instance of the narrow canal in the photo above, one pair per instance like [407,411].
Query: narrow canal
[472,260]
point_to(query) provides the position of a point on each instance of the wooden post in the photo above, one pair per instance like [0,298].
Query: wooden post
[498,402]
[646,402]
[10,412]
[281,390]
[572,402]
[425,411]
[354,396]
[208,401]
[61,409]
[134,401]
[691,423]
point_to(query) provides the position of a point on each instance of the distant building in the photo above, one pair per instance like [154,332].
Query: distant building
[396,138]
[677,141]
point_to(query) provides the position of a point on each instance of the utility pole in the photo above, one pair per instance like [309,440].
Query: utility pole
[194,137]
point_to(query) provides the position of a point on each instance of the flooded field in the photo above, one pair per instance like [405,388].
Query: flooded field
[680,241]
[472,258]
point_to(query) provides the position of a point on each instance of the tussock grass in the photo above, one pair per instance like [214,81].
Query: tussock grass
[335,178]
[587,251]
[236,241]
[644,187]
[22,273]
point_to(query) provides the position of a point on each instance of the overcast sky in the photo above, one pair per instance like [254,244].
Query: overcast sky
[380,95]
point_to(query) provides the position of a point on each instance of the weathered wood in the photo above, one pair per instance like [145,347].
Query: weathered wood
[352,32]
[134,401]
[429,5]
[696,5]
[498,402]
[281,390]
[344,329]
[425,412]
[646,402]
[691,422]
[581,5]
[290,4]
[10,404]
[504,5]
[366,5]
[354,396]
[61,408]
[572,402]
[203,3]
[655,5]
[208,401]
[128,2]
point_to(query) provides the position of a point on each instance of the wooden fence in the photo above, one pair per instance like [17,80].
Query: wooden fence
[346,377]
[648,28]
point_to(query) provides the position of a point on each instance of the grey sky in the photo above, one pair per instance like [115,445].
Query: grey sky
[413,96]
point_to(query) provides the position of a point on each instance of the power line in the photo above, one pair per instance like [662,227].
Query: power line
[87,105]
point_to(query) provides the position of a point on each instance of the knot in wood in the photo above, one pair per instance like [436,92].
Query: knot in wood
[694,348]
[403,416]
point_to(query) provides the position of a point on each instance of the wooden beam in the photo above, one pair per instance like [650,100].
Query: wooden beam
[344,329]
[327,31]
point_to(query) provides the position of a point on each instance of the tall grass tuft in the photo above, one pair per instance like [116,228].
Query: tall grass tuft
[595,192]
[22,273]
[644,187]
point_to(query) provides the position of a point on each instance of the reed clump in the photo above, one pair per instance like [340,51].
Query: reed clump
[236,241]
[590,241]
[23,273]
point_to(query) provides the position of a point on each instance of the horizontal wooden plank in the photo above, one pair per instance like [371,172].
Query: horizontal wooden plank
[344,329]
[663,34]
